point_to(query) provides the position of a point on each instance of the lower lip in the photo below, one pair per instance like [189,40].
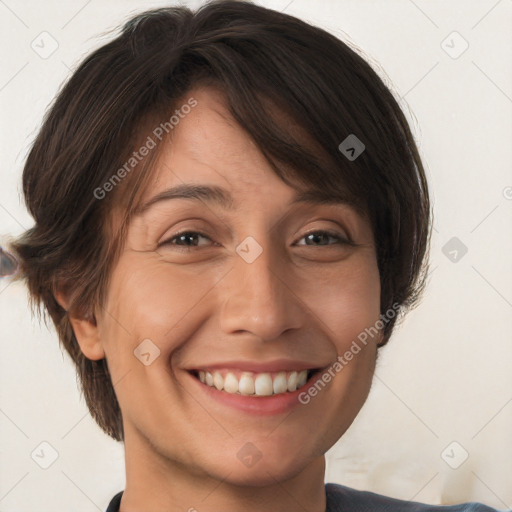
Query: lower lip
[258,405]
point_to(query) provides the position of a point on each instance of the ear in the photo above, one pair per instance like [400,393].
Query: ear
[85,329]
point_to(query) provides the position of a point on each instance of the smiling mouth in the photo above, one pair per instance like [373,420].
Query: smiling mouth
[245,383]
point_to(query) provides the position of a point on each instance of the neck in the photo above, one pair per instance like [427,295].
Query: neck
[155,483]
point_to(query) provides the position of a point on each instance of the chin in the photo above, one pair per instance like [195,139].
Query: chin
[263,474]
[251,467]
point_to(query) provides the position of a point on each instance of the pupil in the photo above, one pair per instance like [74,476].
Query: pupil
[315,237]
[186,236]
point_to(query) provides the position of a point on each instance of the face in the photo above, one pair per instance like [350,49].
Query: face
[220,315]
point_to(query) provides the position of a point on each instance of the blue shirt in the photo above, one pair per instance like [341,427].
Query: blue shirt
[344,499]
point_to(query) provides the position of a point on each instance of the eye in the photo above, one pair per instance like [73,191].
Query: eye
[185,240]
[323,237]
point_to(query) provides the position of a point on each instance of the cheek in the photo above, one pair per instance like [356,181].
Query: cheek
[147,299]
[348,302]
[346,299]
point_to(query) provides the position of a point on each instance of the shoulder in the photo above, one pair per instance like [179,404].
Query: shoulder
[345,499]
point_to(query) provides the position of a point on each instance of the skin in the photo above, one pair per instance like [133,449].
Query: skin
[299,299]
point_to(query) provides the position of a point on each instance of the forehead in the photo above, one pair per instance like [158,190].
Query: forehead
[207,145]
[207,153]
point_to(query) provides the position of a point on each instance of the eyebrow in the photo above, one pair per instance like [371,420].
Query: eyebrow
[217,195]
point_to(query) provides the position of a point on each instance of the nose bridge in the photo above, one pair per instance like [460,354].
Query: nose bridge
[259,299]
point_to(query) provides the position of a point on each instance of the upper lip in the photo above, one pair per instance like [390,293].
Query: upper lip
[259,367]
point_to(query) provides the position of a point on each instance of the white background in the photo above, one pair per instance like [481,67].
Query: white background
[446,374]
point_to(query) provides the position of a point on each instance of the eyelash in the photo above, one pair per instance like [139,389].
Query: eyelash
[340,239]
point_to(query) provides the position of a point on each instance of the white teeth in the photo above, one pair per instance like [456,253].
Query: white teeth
[231,383]
[218,381]
[292,381]
[260,384]
[302,378]
[263,385]
[246,384]
[280,384]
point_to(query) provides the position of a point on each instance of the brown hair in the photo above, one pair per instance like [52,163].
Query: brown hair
[258,58]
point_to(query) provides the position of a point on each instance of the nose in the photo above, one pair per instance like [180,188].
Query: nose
[260,299]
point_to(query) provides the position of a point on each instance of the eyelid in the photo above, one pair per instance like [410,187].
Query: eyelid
[343,238]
